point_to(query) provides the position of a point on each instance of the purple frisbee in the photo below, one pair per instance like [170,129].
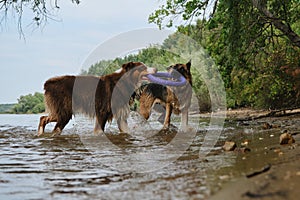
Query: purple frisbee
[162,79]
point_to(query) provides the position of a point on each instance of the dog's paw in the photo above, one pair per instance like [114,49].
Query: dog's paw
[40,133]
[56,132]
[187,128]
[98,132]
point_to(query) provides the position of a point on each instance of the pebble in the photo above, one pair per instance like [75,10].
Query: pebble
[229,146]
[286,138]
[266,125]
[245,143]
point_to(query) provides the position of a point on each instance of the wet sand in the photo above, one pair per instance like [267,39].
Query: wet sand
[270,171]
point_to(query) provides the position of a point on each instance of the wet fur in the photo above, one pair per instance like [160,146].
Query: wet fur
[167,99]
[91,96]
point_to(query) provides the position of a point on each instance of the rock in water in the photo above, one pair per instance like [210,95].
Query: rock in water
[286,138]
[266,125]
[229,146]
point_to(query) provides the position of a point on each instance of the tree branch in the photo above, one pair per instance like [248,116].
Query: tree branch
[39,10]
[278,23]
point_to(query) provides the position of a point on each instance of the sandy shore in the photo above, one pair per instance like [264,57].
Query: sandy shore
[273,170]
[281,181]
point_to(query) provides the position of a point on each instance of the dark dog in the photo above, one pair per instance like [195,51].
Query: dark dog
[171,99]
[105,97]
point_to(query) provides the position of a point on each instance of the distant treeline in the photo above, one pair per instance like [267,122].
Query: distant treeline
[6,108]
[29,104]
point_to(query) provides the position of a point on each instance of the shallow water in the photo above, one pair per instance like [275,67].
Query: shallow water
[142,165]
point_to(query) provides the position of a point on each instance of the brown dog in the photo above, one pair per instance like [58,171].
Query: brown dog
[173,99]
[105,97]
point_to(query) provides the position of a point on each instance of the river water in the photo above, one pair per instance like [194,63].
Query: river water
[80,165]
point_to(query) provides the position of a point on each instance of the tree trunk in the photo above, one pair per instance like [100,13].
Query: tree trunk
[278,23]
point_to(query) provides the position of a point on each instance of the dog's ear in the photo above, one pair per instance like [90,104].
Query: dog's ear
[128,66]
[189,64]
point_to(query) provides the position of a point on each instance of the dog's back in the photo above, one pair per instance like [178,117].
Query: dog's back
[65,95]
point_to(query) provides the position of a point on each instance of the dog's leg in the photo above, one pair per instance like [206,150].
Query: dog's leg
[97,130]
[146,103]
[158,107]
[168,115]
[60,125]
[56,131]
[123,126]
[42,124]
[162,117]
[184,120]
[100,123]
[44,120]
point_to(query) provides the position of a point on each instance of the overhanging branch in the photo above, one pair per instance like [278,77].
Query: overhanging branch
[278,23]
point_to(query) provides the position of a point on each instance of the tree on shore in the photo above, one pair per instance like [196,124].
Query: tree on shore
[280,14]
[30,104]
[251,41]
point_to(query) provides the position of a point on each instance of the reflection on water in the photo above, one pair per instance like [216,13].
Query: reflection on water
[65,167]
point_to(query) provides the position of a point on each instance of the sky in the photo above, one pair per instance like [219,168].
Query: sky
[62,46]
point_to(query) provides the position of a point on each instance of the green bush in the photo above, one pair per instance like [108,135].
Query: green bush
[30,104]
